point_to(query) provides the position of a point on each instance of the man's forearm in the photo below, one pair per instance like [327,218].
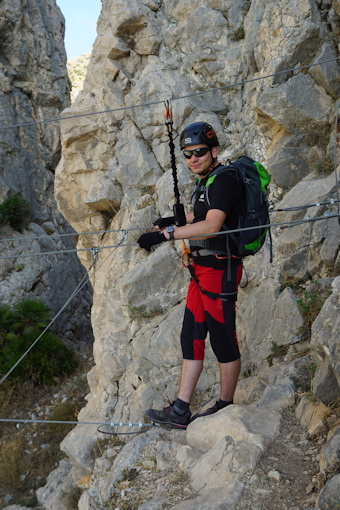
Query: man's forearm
[210,225]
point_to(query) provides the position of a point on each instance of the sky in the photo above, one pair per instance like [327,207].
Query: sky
[81,20]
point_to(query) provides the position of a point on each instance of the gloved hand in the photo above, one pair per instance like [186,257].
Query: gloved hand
[164,222]
[151,239]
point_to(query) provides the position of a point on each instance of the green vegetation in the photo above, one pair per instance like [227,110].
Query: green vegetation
[310,305]
[19,328]
[292,282]
[72,498]
[15,211]
[277,352]
[325,167]
[63,411]
[238,34]
[135,312]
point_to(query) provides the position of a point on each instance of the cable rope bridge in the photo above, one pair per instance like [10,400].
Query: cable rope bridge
[142,427]
[282,224]
[332,201]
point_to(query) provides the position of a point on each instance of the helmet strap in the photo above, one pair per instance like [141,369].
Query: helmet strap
[211,167]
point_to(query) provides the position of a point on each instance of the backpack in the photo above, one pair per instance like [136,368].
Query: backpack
[254,209]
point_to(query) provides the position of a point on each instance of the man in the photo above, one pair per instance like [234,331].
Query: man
[199,144]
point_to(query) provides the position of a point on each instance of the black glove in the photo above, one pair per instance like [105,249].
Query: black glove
[164,222]
[151,239]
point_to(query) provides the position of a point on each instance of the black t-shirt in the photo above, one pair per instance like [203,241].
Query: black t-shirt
[225,195]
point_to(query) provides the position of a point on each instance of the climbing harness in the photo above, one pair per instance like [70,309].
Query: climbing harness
[224,296]
[178,208]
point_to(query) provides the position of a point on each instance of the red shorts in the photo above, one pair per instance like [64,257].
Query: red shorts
[203,314]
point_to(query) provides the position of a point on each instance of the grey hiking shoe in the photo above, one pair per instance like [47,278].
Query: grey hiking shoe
[167,416]
[211,410]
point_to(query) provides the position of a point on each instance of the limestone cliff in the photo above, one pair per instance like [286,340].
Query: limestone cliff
[115,174]
[34,87]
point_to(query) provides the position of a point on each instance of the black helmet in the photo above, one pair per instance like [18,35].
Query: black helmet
[199,132]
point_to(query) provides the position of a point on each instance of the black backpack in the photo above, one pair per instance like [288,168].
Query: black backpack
[254,209]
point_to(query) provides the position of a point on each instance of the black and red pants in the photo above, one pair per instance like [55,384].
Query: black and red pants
[203,314]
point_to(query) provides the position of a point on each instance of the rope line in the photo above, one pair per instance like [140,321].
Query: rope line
[75,234]
[308,219]
[74,250]
[49,422]
[79,287]
[179,98]
[332,201]
[112,424]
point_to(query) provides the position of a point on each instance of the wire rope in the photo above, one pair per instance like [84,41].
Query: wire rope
[179,98]
[140,426]
[292,223]
[75,234]
[79,287]
[149,227]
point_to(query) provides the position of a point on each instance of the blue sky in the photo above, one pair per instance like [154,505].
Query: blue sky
[81,19]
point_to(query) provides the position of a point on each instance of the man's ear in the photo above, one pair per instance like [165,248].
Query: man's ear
[214,152]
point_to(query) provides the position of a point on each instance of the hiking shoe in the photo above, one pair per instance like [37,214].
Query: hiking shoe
[211,410]
[167,416]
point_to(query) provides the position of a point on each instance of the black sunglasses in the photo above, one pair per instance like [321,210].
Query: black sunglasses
[201,151]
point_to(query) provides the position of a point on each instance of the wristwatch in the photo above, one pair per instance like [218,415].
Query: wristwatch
[170,231]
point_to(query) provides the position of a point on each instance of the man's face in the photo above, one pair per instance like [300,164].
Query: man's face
[201,165]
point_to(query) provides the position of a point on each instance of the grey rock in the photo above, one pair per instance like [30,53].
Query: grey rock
[330,454]
[58,484]
[16,507]
[288,320]
[312,415]
[163,454]
[104,196]
[35,87]
[226,498]
[140,288]
[330,246]
[336,6]
[158,50]
[325,385]
[79,449]
[237,422]
[296,105]
[325,342]
[130,453]
[327,75]
[290,160]
[281,394]
[329,495]
[153,504]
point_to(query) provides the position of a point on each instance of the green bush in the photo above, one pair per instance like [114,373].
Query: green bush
[15,210]
[19,328]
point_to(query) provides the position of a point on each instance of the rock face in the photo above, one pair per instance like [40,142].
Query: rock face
[35,87]
[115,174]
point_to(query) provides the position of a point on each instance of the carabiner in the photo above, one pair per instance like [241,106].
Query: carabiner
[168,114]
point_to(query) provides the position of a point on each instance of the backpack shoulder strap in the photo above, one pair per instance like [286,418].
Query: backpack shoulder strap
[215,173]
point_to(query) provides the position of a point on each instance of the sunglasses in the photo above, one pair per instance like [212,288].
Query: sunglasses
[201,151]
